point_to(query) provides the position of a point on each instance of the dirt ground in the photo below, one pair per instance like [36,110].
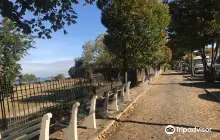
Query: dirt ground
[173,100]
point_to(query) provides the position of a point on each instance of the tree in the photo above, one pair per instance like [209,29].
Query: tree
[194,25]
[161,57]
[60,77]
[78,70]
[13,47]
[88,56]
[105,62]
[28,78]
[134,30]
[56,14]
[95,59]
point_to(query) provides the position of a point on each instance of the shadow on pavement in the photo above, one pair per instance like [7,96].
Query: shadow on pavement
[201,84]
[166,83]
[194,78]
[207,97]
[186,84]
[159,124]
[171,74]
[201,80]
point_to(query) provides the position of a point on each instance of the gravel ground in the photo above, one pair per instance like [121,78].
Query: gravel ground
[172,100]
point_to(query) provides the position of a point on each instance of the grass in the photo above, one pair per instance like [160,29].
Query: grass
[28,97]
[32,97]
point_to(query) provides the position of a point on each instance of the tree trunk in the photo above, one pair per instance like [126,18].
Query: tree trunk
[146,70]
[180,67]
[216,52]
[192,66]
[212,60]
[204,62]
[125,65]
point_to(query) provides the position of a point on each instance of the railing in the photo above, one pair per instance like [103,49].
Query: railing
[19,104]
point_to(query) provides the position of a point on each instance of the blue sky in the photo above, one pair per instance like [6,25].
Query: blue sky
[56,55]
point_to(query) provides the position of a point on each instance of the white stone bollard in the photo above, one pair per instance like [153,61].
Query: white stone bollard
[45,127]
[151,80]
[147,82]
[127,93]
[122,99]
[143,79]
[143,83]
[115,101]
[105,107]
[70,133]
[90,121]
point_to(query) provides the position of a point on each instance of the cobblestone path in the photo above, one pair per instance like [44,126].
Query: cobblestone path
[171,101]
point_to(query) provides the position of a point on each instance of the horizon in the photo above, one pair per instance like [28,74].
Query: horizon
[54,56]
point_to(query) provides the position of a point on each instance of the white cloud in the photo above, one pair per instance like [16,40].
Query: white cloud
[47,69]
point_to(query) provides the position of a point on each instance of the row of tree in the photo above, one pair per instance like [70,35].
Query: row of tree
[31,78]
[27,78]
[194,25]
[135,38]
[136,32]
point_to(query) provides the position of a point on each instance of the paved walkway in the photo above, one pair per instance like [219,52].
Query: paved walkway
[174,101]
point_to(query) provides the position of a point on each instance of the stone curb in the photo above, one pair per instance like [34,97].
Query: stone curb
[122,112]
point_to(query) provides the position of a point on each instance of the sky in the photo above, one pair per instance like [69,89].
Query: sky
[53,56]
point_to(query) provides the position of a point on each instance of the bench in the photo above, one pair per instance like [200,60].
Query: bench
[31,129]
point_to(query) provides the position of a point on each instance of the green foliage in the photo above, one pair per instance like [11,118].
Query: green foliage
[105,62]
[174,63]
[96,56]
[60,77]
[163,55]
[194,24]
[78,62]
[178,51]
[88,55]
[13,47]
[134,29]
[78,70]
[56,14]
[95,59]
[27,78]
[103,58]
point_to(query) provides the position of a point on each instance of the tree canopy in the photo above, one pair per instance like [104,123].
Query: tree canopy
[95,59]
[28,78]
[78,70]
[41,16]
[194,25]
[60,77]
[135,29]
[13,47]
